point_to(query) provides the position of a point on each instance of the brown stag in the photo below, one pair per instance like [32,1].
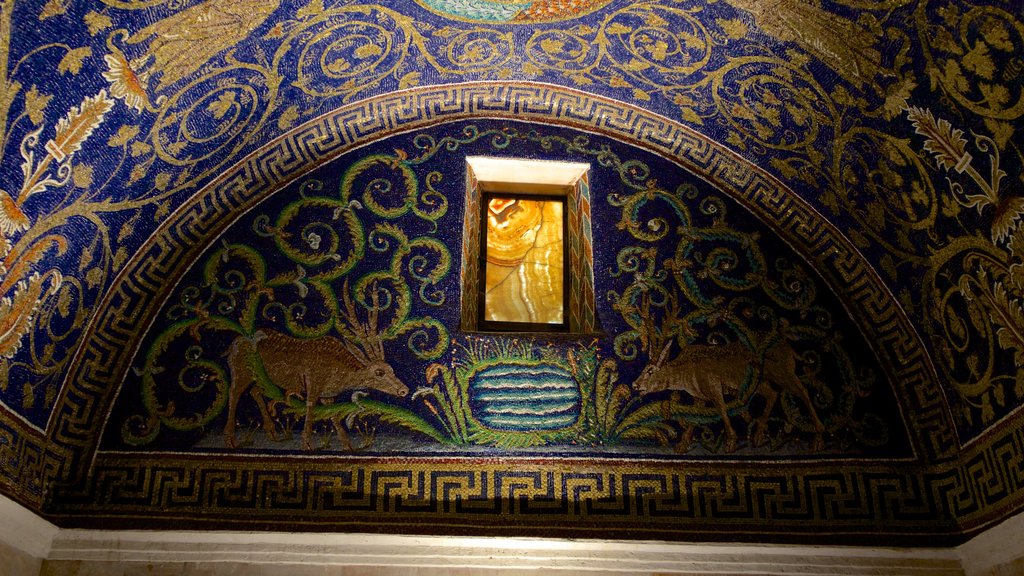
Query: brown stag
[708,373]
[317,369]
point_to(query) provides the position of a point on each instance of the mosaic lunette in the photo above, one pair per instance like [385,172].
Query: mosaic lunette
[364,262]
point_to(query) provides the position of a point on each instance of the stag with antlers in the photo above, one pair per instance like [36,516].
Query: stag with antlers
[709,373]
[316,370]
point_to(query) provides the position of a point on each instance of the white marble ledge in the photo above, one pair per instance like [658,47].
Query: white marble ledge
[496,553]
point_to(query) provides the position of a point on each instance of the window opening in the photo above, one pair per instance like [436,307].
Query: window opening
[536,272]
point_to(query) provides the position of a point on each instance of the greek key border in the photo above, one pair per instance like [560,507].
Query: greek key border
[22,454]
[512,497]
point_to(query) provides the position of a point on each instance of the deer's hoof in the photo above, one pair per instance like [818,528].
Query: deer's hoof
[760,435]
[730,445]
[818,444]
[682,447]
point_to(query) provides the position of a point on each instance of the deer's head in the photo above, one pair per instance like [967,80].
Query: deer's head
[653,376]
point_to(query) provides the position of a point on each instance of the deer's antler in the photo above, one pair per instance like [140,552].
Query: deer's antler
[356,330]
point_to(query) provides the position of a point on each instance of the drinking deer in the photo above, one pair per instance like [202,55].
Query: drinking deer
[316,369]
[708,373]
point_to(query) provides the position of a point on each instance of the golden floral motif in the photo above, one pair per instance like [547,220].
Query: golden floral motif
[125,83]
[949,148]
[97,22]
[69,134]
[18,309]
[12,220]
[72,61]
[180,45]
[35,104]
[961,53]
[839,43]
[22,290]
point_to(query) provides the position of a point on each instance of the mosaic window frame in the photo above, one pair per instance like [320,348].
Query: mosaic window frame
[541,178]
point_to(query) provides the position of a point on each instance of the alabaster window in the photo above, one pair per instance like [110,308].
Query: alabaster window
[527,251]
[523,258]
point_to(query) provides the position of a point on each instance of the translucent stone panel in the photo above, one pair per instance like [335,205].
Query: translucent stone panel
[525,260]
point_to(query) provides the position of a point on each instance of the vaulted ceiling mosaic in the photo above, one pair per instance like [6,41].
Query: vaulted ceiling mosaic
[233,256]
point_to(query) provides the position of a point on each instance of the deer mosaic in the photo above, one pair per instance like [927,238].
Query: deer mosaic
[317,370]
[712,374]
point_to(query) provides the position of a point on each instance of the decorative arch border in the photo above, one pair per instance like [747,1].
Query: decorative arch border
[134,298]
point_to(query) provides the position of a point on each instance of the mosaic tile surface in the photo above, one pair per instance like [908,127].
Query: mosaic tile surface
[134,132]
